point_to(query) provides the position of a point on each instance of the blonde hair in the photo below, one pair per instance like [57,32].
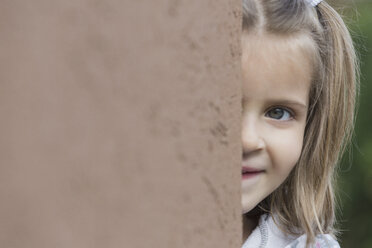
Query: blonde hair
[305,203]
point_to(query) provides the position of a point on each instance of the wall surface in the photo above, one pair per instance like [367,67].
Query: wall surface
[120,123]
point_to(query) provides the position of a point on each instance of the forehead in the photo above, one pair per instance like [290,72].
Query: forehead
[274,65]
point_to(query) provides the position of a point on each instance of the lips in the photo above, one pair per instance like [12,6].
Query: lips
[246,170]
[250,172]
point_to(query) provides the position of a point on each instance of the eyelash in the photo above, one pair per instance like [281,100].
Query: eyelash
[290,112]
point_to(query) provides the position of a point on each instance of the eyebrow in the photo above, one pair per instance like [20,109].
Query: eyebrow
[290,102]
[298,104]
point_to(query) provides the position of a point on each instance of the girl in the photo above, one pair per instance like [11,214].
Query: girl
[300,82]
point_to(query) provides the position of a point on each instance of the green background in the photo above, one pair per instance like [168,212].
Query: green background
[355,174]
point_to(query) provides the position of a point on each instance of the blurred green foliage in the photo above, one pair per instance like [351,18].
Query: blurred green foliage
[355,181]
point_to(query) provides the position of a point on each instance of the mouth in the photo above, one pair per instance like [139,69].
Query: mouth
[248,172]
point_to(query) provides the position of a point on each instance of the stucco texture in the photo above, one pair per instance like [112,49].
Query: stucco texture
[120,123]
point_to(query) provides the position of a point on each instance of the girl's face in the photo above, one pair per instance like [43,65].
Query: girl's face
[276,84]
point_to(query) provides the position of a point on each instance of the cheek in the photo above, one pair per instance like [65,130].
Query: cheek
[285,151]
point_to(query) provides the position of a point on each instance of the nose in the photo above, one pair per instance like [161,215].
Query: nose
[252,136]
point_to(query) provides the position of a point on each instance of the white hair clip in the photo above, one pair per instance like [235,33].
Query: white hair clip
[313,3]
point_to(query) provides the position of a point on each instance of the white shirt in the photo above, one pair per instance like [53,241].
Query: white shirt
[268,235]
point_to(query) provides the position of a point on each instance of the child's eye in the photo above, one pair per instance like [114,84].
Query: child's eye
[279,114]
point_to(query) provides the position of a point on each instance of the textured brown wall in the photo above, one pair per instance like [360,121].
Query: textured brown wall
[120,123]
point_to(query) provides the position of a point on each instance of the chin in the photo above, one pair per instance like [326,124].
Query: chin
[251,206]
[247,209]
[248,205]
[253,212]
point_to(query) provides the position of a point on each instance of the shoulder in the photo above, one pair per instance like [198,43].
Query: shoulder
[268,235]
[276,237]
[321,241]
